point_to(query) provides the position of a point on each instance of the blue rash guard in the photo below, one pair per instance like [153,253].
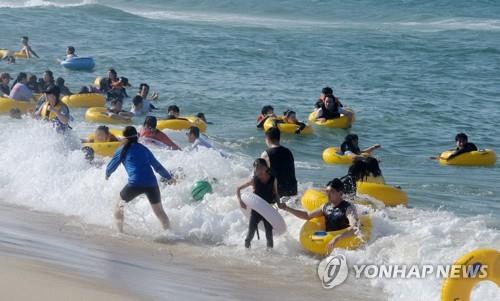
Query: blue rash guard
[138,161]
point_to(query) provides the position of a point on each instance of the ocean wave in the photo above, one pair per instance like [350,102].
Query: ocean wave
[46,171]
[43,3]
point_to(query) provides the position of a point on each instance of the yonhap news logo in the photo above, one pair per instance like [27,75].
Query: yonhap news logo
[334,270]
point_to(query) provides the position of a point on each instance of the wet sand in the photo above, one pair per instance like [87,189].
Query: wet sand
[29,280]
[96,260]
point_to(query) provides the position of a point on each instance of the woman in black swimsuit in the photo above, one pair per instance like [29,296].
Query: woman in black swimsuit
[265,186]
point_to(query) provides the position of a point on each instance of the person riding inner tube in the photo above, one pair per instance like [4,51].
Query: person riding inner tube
[351,148]
[266,113]
[338,213]
[54,110]
[463,146]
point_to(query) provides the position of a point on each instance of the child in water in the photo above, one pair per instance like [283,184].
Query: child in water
[265,113]
[102,134]
[116,111]
[291,117]
[265,186]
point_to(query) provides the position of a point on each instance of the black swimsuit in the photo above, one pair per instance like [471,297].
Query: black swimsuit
[335,216]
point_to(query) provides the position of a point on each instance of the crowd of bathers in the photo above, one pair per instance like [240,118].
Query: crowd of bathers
[273,176]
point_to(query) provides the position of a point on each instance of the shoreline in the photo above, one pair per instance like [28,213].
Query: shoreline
[149,269]
[31,280]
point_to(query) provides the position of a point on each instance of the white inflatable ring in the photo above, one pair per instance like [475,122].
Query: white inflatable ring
[254,202]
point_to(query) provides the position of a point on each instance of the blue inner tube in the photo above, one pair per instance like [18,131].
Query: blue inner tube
[79,63]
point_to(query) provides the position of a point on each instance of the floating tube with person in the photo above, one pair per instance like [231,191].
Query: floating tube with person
[79,63]
[483,157]
[118,133]
[181,123]
[105,149]
[85,100]
[7,104]
[288,128]
[474,264]
[341,122]
[254,202]
[99,115]
[315,239]
[332,155]
[16,54]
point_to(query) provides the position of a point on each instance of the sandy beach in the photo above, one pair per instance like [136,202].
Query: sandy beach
[28,280]
[63,259]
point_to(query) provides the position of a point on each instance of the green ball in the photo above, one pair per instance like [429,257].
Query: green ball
[200,188]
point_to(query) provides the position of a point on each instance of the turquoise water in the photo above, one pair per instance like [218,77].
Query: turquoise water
[415,73]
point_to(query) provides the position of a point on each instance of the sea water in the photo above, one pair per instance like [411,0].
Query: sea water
[415,73]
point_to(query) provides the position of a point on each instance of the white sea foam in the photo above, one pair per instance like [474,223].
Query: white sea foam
[42,3]
[40,170]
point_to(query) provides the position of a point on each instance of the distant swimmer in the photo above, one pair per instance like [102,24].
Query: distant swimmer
[329,106]
[61,84]
[5,79]
[338,213]
[351,148]
[116,111]
[144,93]
[280,160]
[118,89]
[47,80]
[137,106]
[102,134]
[173,112]
[138,160]
[33,84]
[20,90]
[70,53]
[196,141]
[265,113]
[54,110]
[463,146]
[151,134]
[264,185]
[26,48]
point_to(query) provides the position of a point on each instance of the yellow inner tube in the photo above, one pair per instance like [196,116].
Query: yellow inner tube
[84,100]
[332,155]
[16,54]
[288,128]
[459,288]
[182,124]
[389,195]
[116,132]
[318,243]
[99,115]
[486,157]
[7,104]
[341,123]
[105,149]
